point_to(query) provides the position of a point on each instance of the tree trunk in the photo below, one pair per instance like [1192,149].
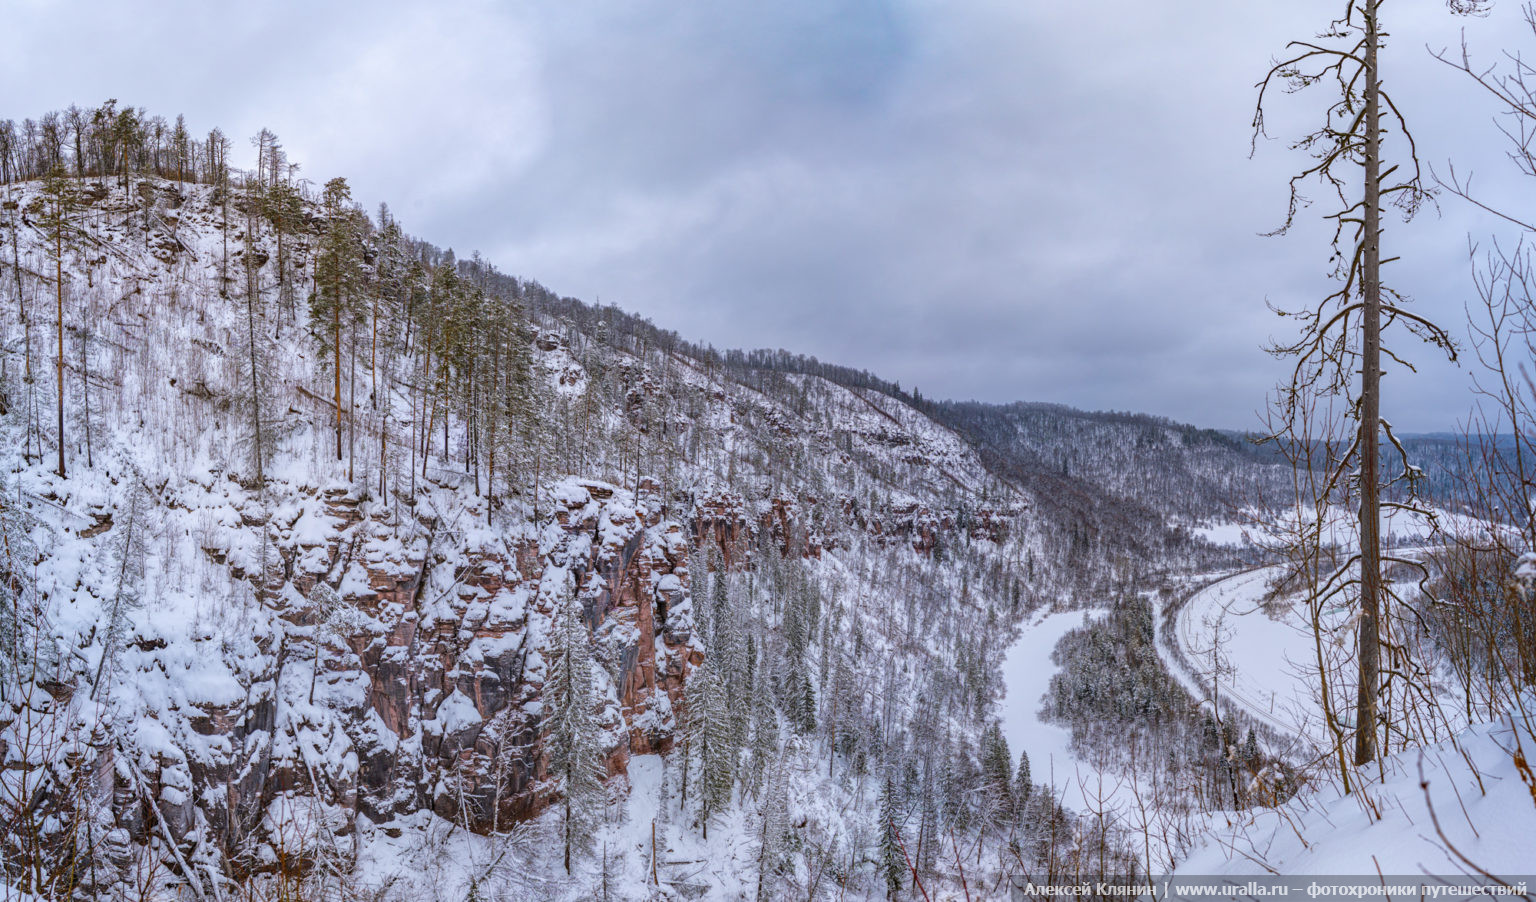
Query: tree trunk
[26,336]
[58,274]
[252,297]
[383,446]
[85,393]
[373,356]
[224,233]
[351,400]
[428,408]
[568,837]
[336,347]
[1370,411]
[282,271]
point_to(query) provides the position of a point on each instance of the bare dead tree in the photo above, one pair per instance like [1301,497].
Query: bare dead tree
[1341,334]
[1485,623]
[1302,541]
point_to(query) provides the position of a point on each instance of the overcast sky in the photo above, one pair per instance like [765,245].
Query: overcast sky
[999,200]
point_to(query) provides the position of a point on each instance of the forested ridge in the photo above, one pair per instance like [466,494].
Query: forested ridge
[336,563]
[315,530]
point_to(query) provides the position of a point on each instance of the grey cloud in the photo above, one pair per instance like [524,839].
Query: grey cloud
[991,198]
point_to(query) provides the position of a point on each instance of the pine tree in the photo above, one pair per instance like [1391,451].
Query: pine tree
[892,866]
[997,771]
[324,602]
[128,550]
[773,821]
[254,360]
[805,705]
[719,603]
[729,648]
[703,618]
[337,281]
[444,321]
[717,751]
[534,428]
[959,785]
[57,223]
[128,136]
[17,599]
[765,736]
[284,209]
[515,416]
[1022,787]
[575,757]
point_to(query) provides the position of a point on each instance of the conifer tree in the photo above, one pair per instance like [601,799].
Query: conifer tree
[717,751]
[773,821]
[534,402]
[128,137]
[180,141]
[441,335]
[84,337]
[1022,785]
[1250,752]
[805,704]
[128,549]
[17,556]
[324,602]
[719,602]
[57,223]
[511,415]
[337,277]
[218,146]
[891,864]
[703,609]
[389,273]
[765,736]
[574,754]
[284,209]
[253,357]
[997,770]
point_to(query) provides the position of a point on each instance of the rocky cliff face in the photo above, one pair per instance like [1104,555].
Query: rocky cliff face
[429,662]
[416,667]
[380,676]
[273,664]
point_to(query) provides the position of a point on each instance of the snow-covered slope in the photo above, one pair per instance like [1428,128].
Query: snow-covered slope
[312,669]
[1458,807]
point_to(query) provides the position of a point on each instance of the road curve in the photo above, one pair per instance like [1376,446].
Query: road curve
[1198,639]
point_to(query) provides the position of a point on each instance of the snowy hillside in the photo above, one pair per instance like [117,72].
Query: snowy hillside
[336,565]
[344,550]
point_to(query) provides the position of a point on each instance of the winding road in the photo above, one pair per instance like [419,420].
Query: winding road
[1222,646]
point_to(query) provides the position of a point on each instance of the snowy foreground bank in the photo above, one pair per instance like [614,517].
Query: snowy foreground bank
[1451,808]
[1459,807]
